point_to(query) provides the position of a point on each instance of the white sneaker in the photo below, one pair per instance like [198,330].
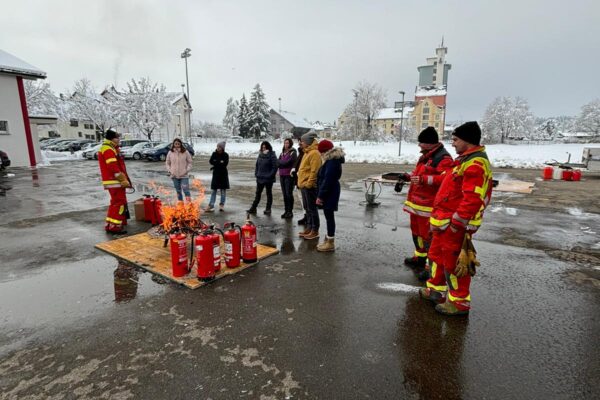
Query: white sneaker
[209,209]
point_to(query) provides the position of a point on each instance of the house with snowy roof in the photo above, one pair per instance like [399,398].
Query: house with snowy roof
[16,136]
[285,121]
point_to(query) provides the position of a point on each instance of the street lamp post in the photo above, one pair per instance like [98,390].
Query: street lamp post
[401,125]
[187,53]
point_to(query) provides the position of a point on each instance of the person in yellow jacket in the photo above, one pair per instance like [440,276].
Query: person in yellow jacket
[307,183]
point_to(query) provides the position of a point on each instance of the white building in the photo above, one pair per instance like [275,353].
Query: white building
[16,136]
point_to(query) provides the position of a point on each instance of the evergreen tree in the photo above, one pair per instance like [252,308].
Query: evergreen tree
[259,121]
[230,119]
[242,118]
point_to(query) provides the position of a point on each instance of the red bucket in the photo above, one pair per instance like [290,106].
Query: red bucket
[576,175]
[547,173]
[567,175]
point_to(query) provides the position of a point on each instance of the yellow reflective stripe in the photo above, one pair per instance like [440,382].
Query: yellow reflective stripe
[418,254]
[439,222]
[438,288]
[453,282]
[114,221]
[433,268]
[453,298]
[111,160]
[121,210]
[420,242]
[110,182]
[417,207]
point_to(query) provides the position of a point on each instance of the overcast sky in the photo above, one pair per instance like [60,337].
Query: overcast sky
[312,53]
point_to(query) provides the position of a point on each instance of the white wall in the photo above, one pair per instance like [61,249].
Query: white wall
[15,143]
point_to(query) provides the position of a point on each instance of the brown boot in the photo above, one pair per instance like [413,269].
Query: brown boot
[304,232]
[312,235]
[327,245]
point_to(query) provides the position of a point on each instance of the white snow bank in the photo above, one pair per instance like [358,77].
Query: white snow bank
[501,155]
[48,156]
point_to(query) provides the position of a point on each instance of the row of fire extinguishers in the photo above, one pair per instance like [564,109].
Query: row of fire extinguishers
[240,245]
[152,209]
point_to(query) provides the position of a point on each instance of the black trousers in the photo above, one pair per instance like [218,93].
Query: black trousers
[287,188]
[312,213]
[259,190]
[330,218]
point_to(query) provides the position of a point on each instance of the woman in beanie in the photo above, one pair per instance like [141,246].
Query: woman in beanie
[328,183]
[287,161]
[220,177]
[307,183]
[179,164]
[265,171]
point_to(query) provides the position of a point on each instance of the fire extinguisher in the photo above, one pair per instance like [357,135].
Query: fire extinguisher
[232,238]
[249,254]
[179,260]
[208,254]
[152,210]
[148,208]
[157,211]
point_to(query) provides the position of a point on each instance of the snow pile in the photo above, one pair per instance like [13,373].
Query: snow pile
[48,156]
[501,155]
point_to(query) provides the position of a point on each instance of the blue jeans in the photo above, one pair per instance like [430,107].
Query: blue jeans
[182,184]
[213,197]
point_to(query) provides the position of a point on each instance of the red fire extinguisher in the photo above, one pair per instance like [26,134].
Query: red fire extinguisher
[249,254]
[148,208]
[157,211]
[179,260]
[208,254]
[232,238]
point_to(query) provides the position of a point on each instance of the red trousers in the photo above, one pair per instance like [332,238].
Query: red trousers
[443,253]
[115,216]
[419,226]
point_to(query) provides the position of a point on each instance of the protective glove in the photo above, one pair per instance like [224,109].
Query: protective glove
[122,178]
[467,259]
[125,183]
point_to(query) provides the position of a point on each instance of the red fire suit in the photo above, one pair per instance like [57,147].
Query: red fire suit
[457,211]
[113,172]
[419,200]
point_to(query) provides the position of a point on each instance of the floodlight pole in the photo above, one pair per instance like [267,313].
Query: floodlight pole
[187,53]
[401,125]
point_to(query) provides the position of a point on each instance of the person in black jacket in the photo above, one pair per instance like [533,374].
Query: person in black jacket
[265,171]
[220,177]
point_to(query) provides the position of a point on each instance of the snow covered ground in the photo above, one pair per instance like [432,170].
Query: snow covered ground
[501,155]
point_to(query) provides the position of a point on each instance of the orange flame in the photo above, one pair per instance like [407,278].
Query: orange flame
[179,215]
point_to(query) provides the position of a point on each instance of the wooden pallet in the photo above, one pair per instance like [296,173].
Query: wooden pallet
[148,253]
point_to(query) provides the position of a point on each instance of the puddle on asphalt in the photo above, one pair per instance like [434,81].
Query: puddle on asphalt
[64,293]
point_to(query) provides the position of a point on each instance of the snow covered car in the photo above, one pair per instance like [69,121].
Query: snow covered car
[4,160]
[160,151]
[92,153]
[136,151]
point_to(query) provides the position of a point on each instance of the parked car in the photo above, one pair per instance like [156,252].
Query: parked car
[74,145]
[136,151]
[4,160]
[160,151]
[131,142]
[92,153]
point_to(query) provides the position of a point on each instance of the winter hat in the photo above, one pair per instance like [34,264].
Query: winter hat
[325,145]
[428,135]
[221,145]
[110,134]
[309,137]
[469,132]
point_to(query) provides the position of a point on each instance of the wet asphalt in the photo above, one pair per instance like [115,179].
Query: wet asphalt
[75,323]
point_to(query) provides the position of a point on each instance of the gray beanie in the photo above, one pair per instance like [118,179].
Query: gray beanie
[221,145]
[309,137]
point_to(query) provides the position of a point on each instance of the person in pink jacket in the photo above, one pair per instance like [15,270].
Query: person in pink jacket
[179,164]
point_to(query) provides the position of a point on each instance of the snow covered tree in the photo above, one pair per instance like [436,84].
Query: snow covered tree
[589,118]
[369,99]
[258,117]
[146,105]
[507,118]
[209,130]
[40,98]
[86,104]
[242,118]
[230,119]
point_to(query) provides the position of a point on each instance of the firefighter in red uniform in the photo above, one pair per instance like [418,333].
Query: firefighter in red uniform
[425,181]
[115,180]
[457,212]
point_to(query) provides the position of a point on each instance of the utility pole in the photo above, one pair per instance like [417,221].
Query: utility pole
[185,55]
[401,124]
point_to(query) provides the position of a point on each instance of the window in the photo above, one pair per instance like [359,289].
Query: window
[80,134]
[437,117]
[424,125]
[425,117]
[3,127]
[88,126]
[426,110]
[74,122]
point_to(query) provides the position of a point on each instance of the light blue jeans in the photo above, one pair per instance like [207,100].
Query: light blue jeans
[182,184]
[213,197]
